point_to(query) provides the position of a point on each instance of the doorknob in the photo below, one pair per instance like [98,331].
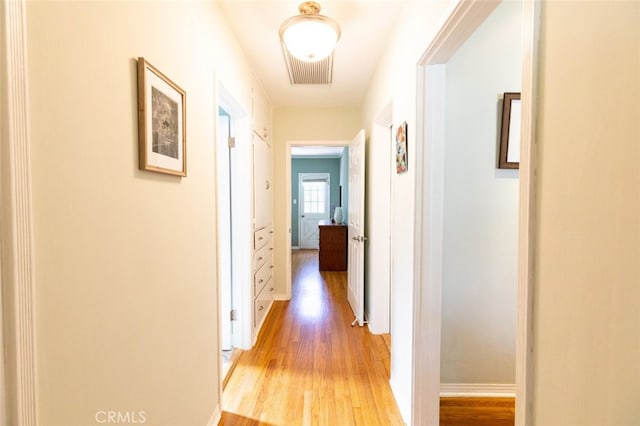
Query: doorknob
[302,216]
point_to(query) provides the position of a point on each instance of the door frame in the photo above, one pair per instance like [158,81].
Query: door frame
[224,182]
[289,145]
[463,19]
[19,367]
[242,227]
[323,176]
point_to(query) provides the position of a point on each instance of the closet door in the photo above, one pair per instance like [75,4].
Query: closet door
[262,183]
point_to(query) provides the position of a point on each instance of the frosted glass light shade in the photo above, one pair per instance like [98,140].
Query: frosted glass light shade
[309,37]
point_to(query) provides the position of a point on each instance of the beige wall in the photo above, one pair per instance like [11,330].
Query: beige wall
[587,286]
[126,294]
[394,86]
[300,124]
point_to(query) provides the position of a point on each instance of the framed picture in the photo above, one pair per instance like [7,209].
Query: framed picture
[162,111]
[509,154]
[402,163]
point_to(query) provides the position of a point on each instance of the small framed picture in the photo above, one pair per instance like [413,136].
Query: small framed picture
[402,161]
[162,111]
[509,153]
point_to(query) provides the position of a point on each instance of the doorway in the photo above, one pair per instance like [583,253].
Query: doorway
[464,19]
[233,222]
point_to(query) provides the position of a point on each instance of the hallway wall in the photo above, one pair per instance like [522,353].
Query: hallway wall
[587,269]
[126,292]
[395,82]
[587,236]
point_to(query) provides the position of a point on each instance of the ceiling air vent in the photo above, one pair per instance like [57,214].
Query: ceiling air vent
[301,72]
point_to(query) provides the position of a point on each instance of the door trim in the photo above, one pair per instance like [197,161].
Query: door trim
[462,20]
[324,176]
[17,224]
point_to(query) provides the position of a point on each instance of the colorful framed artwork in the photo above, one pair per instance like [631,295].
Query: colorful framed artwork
[402,161]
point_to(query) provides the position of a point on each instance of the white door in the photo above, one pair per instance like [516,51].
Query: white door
[313,206]
[355,292]
[262,183]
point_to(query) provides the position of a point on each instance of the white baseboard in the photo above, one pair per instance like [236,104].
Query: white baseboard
[478,389]
[281,297]
[295,247]
[215,417]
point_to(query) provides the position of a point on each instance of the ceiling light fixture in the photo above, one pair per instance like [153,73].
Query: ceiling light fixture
[309,36]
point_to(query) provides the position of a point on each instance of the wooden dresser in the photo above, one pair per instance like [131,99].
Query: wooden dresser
[333,246]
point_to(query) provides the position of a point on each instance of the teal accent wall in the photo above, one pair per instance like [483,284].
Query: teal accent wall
[344,182]
[313,165]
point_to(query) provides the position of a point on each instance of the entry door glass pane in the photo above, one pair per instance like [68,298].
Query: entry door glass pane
[314,196]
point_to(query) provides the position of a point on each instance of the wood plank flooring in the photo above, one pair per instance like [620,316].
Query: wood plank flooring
[309,366]
[460,411]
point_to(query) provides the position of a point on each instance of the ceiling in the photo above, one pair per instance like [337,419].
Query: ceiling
[366,26]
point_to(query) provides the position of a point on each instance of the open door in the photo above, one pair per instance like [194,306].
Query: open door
[355,291]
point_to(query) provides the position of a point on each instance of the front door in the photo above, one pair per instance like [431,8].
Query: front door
[313,206]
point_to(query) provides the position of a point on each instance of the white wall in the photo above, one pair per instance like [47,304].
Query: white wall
[126,297]
[587,271]
[480,252]
[395,82]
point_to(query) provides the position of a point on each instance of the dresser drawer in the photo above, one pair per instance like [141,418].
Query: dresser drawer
[261,256]
[262,304]
[262,276]
[262,237]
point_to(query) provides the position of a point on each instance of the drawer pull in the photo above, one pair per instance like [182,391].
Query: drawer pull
[261,281]
[261,308]
[260,258]
[270,266]
[271,289]
[261,238]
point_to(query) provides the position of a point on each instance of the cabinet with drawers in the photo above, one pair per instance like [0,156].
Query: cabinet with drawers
[333,246]
[263,275]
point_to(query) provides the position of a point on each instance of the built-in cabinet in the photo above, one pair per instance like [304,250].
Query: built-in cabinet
[261,113]
[263,285]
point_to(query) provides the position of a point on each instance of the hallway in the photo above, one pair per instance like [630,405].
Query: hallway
[309,366]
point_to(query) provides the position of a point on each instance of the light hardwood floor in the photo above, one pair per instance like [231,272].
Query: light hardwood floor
[457,411]
[309,366]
